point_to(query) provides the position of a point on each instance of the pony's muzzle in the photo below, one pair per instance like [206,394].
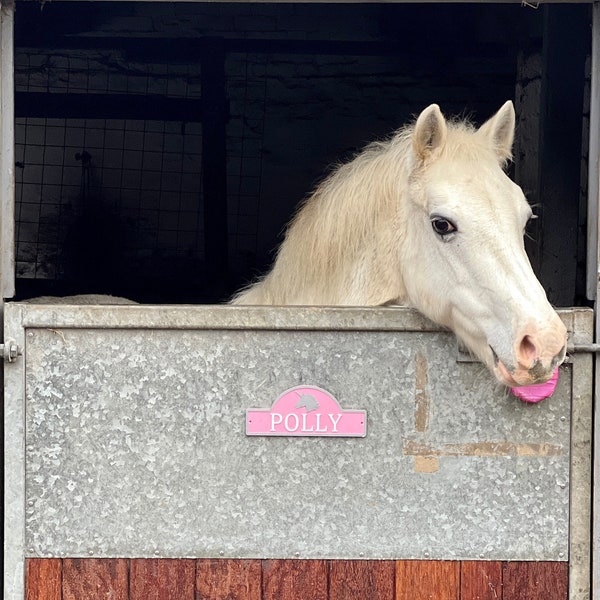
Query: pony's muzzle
[536,356]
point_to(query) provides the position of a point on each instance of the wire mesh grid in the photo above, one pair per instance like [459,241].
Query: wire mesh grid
[138,181]
[107,198]
[247,91]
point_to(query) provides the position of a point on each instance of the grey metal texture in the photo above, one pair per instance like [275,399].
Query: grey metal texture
[125,437]
[593,273]
[7,151]
[593,217]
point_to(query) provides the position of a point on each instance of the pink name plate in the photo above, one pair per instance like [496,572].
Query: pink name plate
[306,410]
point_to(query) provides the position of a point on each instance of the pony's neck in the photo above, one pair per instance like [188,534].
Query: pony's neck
[343,247]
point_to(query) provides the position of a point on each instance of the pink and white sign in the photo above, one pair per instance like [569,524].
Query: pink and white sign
[306,410]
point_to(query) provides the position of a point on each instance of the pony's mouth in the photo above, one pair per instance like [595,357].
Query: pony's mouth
[501,372]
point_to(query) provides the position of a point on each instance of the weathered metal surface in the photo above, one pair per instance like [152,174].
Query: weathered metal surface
[135,442]
[7,151]
[580,326]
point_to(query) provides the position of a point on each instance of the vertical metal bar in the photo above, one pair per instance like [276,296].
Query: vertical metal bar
[580,490]
[14,476]
[7,152]
[14,464]
[593,279]
[594,159]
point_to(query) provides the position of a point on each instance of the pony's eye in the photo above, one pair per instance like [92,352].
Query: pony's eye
[442,226]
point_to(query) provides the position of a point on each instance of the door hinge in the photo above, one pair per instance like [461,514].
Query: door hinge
[10,351]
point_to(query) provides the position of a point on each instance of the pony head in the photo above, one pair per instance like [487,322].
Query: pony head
[463,257]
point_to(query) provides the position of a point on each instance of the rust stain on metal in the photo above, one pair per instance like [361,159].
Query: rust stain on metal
[427,464]
[422,401]
[59,334]
[414,448]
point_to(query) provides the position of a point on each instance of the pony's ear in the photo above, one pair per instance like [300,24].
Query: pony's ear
[500,131]
[430,132]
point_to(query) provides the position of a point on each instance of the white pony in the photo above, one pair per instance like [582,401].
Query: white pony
[427,219]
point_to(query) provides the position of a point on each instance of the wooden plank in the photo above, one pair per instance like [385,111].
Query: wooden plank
[360,579]
[480,580]
[95,579]
[536,581]
[43,579]
[294,580]
[427,580]
[162,579]
[224,579]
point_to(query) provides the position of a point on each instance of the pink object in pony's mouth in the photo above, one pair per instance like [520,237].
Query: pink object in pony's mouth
[536,392]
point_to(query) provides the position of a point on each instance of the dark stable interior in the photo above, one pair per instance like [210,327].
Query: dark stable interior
[162,147]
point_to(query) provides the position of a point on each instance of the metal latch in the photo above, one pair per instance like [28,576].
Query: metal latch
[463,354]
[10,350]
[590,348]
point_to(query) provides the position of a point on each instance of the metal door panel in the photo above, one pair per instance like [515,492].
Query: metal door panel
[125,438]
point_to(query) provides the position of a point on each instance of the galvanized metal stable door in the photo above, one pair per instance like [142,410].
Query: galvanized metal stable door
[127,437]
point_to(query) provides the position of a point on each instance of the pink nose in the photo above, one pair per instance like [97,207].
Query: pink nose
[538,354]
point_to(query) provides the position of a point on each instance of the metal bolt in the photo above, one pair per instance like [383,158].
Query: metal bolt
[10,350]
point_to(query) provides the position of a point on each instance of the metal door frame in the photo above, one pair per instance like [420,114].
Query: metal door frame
[7,255]
[593,275]
[7,151]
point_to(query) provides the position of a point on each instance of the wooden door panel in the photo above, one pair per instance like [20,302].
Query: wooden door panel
[227,579]
[427,580]
[162,579]
[536,581]
[44,578]
[89,579]
[480,580]
[360,579]
[294,580]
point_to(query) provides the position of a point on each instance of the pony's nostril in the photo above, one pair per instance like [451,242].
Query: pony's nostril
[528,353]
